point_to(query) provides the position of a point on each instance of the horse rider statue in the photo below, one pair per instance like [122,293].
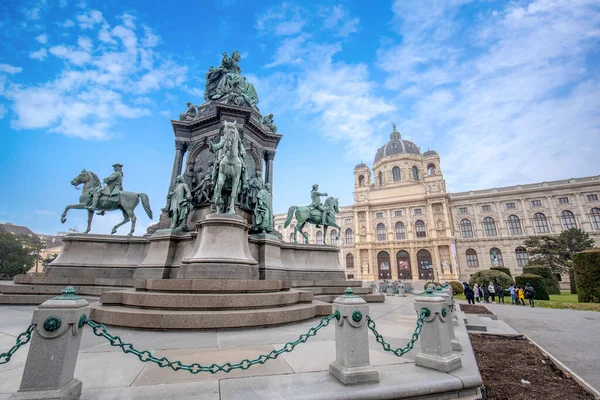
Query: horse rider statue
[114,186]
[315,196]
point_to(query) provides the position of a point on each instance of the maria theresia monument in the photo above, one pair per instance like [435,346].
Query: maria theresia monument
[213,259]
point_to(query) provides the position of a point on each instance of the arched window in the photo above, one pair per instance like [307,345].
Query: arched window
[540,223]
[291,238]
[349,261]
[489,227]
[425,264]
[380,178]
[319,237]
[400,231]
[472,260]
[349,236]
[403,262]
[415,173]
[514,225]
[431,169]
[333,236]
[522,256]
[420,229]
[466,229]
[383,263]
[396,174]
[381,235]
[361,180]
[498,257]
[568,220]
[595,219]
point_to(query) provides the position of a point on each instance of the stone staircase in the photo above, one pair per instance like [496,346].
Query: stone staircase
[328,291]
[18,294]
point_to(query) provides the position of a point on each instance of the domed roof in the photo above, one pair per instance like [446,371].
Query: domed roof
[361,165]
[430,153]
[396,145]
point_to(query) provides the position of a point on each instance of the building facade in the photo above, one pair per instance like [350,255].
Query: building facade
[405,225]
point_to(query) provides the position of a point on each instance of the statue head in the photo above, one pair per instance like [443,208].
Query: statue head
[315,187]
[118,167]
[179,179]
[268,187]
[189,103]
[258,174]
[236,56]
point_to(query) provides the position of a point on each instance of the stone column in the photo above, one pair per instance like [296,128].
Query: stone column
[456,346]
[352,363]
[269,157]
[54,348]
[436,347]
[527,224]
[180,148]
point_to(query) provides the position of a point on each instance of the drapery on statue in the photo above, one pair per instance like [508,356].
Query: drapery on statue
[313,215]
[263,210]
[179,204]
[227,79]
[315,204]
[269,123]
[256,185]
[229,167]
[114,186]
[190,113]
[123,200]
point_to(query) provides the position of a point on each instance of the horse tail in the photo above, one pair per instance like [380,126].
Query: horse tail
[290,215]
[146,204]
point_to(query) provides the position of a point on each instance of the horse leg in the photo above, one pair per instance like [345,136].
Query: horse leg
[125,220]
[218,199]
[63,217]
[133,219]
[89,222]
[324,233]
[304,234]
[234,192]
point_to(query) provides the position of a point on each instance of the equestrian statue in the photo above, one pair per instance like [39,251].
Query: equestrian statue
[229,168]
[95,197]
[316,213]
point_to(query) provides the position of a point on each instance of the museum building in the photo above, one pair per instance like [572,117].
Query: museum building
[405,225]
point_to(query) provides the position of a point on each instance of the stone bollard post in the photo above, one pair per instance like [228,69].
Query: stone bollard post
[352,363]
[436,348]
[389,289]
[54,349]
[401,290]
[456,346]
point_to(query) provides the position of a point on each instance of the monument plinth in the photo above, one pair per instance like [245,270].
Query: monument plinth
[221,250]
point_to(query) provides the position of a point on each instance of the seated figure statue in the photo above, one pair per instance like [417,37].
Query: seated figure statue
[189,114]
[227,79]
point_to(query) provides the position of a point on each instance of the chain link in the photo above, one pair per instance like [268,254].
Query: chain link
[400,351]
[22,340]
[145,355]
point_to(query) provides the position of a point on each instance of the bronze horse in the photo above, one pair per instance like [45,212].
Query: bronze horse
[305,214]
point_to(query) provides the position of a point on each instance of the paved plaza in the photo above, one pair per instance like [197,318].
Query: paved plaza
[107,373]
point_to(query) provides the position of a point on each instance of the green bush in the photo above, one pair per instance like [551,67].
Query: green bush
[457,287]
[546,273]
[484,277]
[502,269]
[572,283]
[538,283]
[586,265]
[430,282]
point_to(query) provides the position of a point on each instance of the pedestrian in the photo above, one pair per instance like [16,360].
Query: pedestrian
[477,293]
[469,294]
[511,289]
[486,293]
[500,293]
[529,293]
[492,291]
[521,296]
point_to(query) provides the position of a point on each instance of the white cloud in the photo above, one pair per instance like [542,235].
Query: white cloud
[67,24]
[90,19]
[34,12]
[336,19]
[85,43]
[41,54]
[69,53]
[284,20]
[43,38]
[2,111]
[9,69]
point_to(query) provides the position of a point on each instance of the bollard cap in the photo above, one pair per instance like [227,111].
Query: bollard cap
[68,293]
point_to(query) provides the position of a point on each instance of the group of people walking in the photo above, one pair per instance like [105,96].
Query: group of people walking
[483,293]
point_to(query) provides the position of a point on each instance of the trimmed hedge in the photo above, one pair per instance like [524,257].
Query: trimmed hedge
[430,282]
[457,287]
[586,265]
[546,273]
[484,278]
[502,269]
[538,283]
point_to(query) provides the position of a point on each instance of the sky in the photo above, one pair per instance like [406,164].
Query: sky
[507,92]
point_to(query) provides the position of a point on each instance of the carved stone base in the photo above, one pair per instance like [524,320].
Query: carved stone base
[444,364]
[353,375]
[69,391]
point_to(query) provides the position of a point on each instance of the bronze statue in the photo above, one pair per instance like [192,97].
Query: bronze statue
[315,204]
[263,210]
[268,122]
[190,113]
[227,79]
[314,216]
[114,186]
[179,204]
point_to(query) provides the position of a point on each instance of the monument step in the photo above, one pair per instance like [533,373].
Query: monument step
[328,283]
[339,290]
[205,301]
[71,281]
[158,319]
[33,299]
[211,285]
[369,298]
[54,290]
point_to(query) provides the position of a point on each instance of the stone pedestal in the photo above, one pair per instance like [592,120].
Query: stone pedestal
[352,363]
[164,254]
[456,346]
[53,350]
[221,250]
[401,290]
[268,253]
[436,347]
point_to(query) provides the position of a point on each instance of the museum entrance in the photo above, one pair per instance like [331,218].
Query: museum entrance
[383,263]
[403,264]
[425,265]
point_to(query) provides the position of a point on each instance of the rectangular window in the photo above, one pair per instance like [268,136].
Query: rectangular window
[592,197]
[350,276]
[348,220]
[510,206]
[536,203]
[418,211]
[397,213]
[379,215]
[462,210]
[486,208]
[563,200]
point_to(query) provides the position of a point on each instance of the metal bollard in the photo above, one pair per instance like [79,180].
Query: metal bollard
[54,349]
[352,363]
[456,346]
[436,347]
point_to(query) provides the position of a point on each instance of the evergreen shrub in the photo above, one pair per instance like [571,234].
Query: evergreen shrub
[502,269]
[538,283]
[430,282]
[546,273]
[484,277]
[586,265]
[457,287]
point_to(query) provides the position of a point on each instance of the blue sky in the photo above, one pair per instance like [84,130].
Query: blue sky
[506,92]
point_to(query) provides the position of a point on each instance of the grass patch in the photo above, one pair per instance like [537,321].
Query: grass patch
[565,300]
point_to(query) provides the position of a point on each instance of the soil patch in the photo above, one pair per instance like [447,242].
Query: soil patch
[474,309]
[508,363]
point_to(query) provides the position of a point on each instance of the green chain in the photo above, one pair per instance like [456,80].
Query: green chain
[146,356]
[400,351]
[22,340]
